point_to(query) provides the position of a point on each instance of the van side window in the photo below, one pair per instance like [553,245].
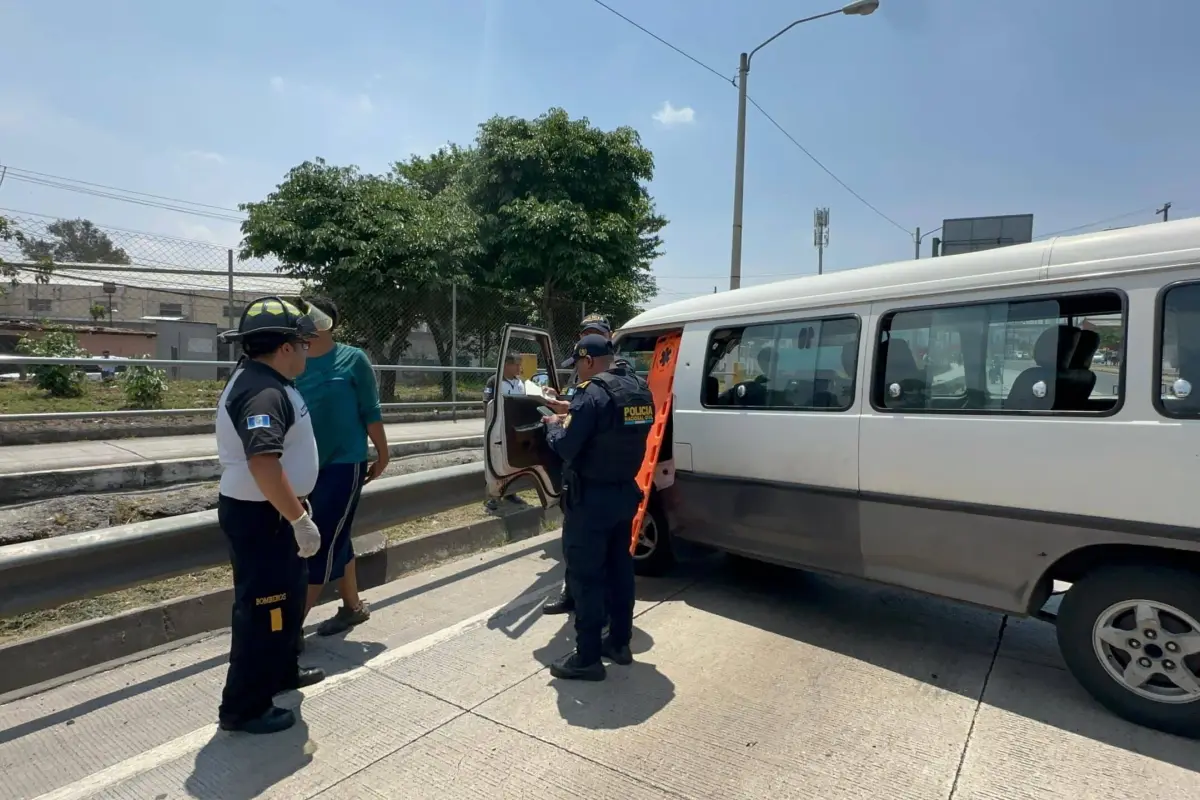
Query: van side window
[1047,354]
[806,365]
[1179,345]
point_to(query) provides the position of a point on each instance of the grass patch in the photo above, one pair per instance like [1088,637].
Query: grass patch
[20,397]
[36,623]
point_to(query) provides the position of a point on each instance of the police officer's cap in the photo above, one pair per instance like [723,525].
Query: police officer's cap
[595,322]
[594,345]
[273,315]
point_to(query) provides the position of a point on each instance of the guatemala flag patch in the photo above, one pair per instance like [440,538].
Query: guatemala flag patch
[258,421]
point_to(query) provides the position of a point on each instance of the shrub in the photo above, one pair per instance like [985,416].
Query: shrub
[56,380]
[144,386]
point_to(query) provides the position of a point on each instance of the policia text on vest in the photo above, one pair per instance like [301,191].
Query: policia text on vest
[268,457]
[602,442]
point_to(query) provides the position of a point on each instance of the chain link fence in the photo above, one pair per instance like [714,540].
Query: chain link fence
[128,295]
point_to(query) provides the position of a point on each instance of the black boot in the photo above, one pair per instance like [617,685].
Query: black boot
[561,603]
[305,676]
[621,655]
[571,668]
[273,720]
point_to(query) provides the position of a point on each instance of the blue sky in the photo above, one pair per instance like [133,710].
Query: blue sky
[1073,110]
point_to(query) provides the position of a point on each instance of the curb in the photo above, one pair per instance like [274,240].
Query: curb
[102,432]
[89,644]
[26,486]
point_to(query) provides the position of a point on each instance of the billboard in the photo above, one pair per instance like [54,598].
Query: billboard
[968,234]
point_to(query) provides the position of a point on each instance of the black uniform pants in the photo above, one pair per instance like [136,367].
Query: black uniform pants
[269,588]
[596,534]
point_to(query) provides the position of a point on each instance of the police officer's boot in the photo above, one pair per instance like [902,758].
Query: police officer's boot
[621,655]
[273,720]
[561,603]
[571,668]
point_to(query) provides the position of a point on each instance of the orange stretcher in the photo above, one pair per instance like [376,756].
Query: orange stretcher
[662,381]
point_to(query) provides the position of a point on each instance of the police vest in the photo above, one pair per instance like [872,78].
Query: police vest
[616,451]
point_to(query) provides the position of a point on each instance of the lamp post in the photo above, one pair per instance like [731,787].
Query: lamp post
[859,8]
[919,237]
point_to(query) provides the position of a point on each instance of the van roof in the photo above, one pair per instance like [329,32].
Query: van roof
[1154,244]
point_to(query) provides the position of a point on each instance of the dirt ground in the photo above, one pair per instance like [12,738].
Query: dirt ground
[44,519]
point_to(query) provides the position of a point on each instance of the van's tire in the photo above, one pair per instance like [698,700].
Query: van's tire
[654,554]
[1098,631]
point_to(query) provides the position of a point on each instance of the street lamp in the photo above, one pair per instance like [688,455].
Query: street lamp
[859,8]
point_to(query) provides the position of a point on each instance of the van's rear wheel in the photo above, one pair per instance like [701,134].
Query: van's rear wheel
[1131,637]
[653,555]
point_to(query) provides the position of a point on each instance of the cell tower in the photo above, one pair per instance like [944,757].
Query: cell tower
[820,235]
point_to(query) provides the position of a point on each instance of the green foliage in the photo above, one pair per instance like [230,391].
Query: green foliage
[538,220]
[7,271]
[55,380]
[376,245]
[74,240]
[565,211]
[144,386]
[98,312]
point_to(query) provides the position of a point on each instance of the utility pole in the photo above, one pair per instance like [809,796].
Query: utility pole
[820,235]
[917,242]
[1165,210]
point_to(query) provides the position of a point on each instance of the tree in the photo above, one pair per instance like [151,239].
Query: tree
[9,234]
[440,181]
[563,207]
[74,240]
[373,243]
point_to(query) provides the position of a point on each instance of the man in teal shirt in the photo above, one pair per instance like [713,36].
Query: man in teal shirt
[338,386]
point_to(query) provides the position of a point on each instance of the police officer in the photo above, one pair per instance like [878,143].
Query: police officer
[563,603]
[602,441]
[268,455]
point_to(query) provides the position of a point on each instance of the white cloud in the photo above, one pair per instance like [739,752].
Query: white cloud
[669,115]
[203,155]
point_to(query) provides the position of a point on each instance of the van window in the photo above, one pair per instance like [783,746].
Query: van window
[1056,354]
[805,365]
[1179,345]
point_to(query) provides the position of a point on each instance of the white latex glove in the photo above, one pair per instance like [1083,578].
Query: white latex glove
[308,537]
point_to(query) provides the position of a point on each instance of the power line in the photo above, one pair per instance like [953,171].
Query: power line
[118,189]
[826,169]
[661,40]
[1104,221]
[122,195]
[761,110]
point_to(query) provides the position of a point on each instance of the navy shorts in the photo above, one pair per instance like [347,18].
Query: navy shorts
[334,500]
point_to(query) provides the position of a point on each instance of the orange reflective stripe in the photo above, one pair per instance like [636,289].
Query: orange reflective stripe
[662,381]
[276,620]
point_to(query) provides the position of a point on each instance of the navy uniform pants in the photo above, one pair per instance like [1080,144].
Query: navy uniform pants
[596,534]
[270,583]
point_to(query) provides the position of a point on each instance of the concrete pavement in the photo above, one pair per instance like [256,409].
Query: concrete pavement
[70,455]
[760,684]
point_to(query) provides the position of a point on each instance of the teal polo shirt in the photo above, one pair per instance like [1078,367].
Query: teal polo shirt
[342,397]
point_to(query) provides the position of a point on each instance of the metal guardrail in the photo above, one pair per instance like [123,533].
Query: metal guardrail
[168,362]
[50,572]
[188,412]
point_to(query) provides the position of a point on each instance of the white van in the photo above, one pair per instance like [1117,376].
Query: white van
[942,425]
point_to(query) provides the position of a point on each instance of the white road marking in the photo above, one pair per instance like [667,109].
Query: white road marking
[194,741]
